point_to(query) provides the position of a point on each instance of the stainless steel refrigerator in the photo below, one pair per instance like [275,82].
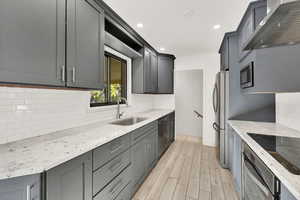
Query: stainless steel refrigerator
[220,105]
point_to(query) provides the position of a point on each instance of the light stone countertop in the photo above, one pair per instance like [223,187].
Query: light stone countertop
[38,154]
[291,181]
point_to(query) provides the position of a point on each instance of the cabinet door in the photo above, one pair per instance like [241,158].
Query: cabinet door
[165,75]
[21,188]
[154,72]
[71,180]
[237,163]
[259,14]
[138,162]
[151,149]
[246,31]
[147,71]
[32,41]
[85,50]
[286,194]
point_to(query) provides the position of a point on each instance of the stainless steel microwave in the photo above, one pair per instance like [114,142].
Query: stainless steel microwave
[247,76]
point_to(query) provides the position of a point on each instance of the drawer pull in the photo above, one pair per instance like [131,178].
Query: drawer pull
[116,148]
[28,192]
[114,189]
[116,165]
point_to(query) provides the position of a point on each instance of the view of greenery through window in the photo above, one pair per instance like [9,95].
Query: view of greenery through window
[115,78]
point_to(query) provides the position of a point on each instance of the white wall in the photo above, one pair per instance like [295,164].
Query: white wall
[210,63]
[26,112]
[288,110]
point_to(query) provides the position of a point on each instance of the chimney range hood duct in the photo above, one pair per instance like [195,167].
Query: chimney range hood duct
[281,26]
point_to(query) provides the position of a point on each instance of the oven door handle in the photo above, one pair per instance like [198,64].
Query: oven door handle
[263,182]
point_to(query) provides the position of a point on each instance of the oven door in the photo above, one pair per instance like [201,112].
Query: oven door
[254,186]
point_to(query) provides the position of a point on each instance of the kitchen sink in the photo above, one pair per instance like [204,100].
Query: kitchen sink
[129,121]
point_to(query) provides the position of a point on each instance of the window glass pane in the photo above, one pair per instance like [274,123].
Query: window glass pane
[115,79]
[115,82]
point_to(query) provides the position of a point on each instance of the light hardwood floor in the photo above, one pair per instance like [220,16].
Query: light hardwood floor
[188,171]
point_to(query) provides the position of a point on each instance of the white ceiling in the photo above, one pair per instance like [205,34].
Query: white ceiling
[182,27]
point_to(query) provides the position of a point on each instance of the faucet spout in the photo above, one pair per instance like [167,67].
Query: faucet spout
[119,113]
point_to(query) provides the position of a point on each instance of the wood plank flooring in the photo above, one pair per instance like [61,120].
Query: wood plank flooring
[188,171]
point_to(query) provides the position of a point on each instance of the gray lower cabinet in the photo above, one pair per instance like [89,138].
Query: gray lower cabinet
[32,38]
[85,49]
[21,188]
[113,189]
[151,149]
[71,180]
[237,162]
[286,194]
[105,174]
[165,74]
[138,163]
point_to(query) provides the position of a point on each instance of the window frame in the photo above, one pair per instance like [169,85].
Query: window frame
[124,79]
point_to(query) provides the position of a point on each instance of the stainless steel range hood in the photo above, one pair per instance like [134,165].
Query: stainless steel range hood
[281,26]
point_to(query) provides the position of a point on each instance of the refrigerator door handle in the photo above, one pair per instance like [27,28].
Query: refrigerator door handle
[217,127]
[214,98]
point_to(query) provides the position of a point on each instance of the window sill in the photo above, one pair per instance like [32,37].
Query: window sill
[104,108]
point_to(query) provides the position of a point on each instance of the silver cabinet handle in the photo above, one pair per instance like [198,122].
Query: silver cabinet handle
[73,74]
[28,192]
[63,69]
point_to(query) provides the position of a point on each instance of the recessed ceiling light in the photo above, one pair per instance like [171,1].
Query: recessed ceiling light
[140,25]
[217,26]
[162,49]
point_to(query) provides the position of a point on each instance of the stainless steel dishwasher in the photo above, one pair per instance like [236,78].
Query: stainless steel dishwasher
[163,134]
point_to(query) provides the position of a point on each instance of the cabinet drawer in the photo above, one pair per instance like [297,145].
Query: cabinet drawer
[138,134]
[106,173]
[126,193]
[112,190]
[110,150]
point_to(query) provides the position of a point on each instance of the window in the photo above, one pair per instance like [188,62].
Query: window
[115,79]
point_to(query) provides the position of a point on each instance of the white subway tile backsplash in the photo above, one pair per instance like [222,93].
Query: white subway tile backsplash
[26,112]
[288,109]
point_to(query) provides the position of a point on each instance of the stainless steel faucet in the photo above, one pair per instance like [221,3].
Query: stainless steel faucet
[120,114]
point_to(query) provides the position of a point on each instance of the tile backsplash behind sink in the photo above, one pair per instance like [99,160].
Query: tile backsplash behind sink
[27,112]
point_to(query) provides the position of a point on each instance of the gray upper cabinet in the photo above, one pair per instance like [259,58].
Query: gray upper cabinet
[245,31]
[275,70]
[71,180]
[148,86]
[165,74]
[150,71]
[224,53]
[32,38]
[21,188]
[153,74]
[85,50]
[253,16]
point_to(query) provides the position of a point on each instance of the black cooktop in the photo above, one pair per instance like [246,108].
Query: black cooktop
[285,150]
